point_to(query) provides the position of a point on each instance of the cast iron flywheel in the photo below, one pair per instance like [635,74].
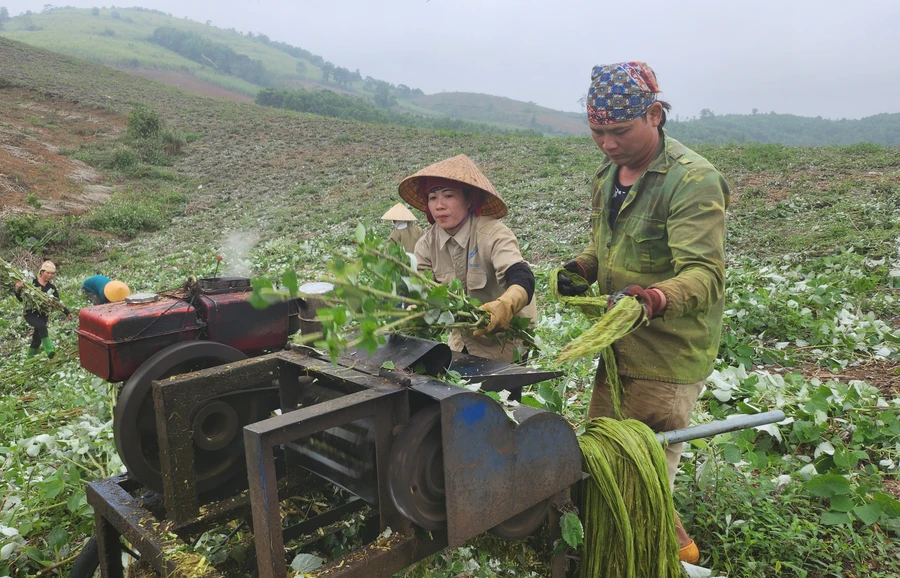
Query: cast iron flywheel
[217,424]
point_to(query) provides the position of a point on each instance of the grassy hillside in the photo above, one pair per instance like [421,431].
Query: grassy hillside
[119,37]
[811,325]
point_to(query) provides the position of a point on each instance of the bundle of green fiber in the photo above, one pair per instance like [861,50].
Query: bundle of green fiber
[629,526]
[616,323]
[589,302]
[34,299]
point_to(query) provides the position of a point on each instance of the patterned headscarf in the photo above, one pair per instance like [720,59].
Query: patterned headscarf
[620,92]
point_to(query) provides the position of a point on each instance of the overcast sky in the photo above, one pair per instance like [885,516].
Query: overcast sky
[830,58]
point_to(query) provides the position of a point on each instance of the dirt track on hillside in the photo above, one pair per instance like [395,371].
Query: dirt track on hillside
[188,83]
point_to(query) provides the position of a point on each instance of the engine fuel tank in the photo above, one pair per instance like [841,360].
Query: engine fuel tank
[116,338]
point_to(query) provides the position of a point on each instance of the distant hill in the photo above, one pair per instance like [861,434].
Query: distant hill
[184,55]
[488,108]
[787,129]
[207,60]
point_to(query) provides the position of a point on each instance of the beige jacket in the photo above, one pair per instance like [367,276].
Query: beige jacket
[406,237]
[478,255]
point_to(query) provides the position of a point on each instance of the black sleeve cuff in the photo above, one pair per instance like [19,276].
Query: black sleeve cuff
[520,274]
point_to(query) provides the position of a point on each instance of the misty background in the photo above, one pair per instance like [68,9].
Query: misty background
[809,58]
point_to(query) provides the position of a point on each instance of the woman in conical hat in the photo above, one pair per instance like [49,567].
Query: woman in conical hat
[406,233]
[468,242]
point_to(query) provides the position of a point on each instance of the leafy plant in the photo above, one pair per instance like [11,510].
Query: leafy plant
[379,292]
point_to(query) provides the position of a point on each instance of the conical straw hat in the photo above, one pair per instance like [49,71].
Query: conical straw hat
[461,169]
[399,212]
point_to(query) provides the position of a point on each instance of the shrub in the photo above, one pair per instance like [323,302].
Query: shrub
[143,123]
[128,215]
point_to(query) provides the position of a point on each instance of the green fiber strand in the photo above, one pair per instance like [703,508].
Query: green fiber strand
[615,324]
[627,505]
[616,389]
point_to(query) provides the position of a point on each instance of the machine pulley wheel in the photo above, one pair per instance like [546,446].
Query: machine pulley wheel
[416,476]
[524,523]
[218,453]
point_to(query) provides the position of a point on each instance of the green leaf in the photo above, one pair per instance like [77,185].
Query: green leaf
[387,365]
[889,504]
[572,530]
[868,513]
[53,487]
[289,280]
[828,485]
[446,318]
[531,401]
[842,503]
[57,537]
[432,315]
[308,562]
[835,518]
[76,501]
[361,234]
[493,395]
[732,454]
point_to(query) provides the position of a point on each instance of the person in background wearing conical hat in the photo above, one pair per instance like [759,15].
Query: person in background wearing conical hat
[100,289]
[469,243]
[406,233]
[37,319]
[658,234]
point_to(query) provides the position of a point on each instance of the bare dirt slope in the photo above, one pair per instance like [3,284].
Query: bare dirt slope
[33,173]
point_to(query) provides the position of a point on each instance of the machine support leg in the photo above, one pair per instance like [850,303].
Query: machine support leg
[560,505]
[267,533]
[108,547]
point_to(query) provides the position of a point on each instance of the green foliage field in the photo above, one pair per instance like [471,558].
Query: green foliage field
[813,282]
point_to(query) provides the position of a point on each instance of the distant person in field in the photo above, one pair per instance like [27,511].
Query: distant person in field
[657,234]
[37,319]
[100,289]
[406,233]
[468,242]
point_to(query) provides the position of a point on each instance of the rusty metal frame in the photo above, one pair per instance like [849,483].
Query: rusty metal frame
[117,514]
[379,398]
[173,400]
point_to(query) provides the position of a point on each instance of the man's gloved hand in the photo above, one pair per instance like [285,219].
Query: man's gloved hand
[503,309]
[564,283]
[653,300]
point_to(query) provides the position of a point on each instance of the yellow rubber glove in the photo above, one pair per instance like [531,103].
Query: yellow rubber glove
[503,309]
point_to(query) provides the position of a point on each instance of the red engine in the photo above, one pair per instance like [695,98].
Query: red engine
[116,338]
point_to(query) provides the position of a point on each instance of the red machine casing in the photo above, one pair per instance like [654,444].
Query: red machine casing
[230,319]
[116,338]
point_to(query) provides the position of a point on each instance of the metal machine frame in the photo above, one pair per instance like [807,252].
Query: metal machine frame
[528,464]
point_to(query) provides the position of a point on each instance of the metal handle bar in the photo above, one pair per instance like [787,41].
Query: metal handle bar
[721,426]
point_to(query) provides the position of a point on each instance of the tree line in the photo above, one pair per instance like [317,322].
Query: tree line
[331,104]
[786,129]
[210,53]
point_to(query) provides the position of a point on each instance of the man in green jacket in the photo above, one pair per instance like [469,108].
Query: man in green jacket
[657,233]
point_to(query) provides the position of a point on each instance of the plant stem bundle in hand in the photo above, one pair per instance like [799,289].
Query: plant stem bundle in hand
[377,292]
[34,299]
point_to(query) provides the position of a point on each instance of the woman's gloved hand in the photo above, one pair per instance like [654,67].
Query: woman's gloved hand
[503,309]
[653,300]
[564,283]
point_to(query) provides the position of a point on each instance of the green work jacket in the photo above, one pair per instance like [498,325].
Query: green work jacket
[669,234]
